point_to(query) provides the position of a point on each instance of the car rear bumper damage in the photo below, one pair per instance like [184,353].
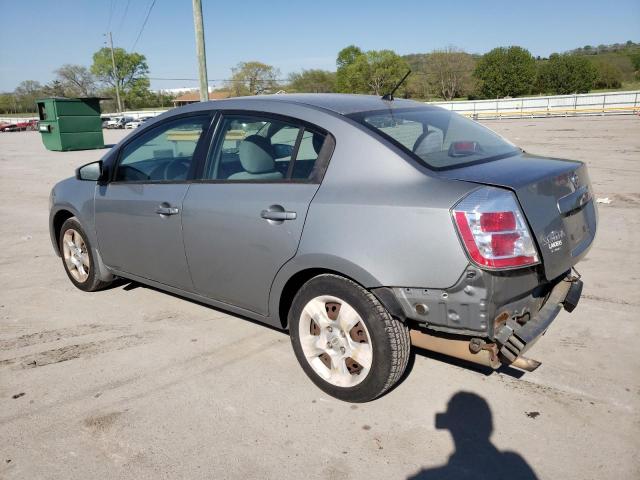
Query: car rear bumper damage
[515,339]
[457,325]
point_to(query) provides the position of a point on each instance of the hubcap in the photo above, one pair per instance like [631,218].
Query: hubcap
[75,254]
[335,341]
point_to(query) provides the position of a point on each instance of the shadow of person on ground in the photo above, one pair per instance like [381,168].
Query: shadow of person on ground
[468,418]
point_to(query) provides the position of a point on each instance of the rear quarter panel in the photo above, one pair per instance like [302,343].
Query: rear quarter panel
[377,211]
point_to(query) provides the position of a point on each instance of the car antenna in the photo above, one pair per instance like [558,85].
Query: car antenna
[389,96]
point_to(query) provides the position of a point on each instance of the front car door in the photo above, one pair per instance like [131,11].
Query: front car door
[138,213]
[243,219]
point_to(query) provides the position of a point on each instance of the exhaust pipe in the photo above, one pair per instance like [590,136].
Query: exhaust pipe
[476,352]
[524,363]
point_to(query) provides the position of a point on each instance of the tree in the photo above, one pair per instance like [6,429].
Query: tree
[76,80]
[375,71]
[253,78]
[7,103]
[607,75]
[313,81]
[564,74]
[506,71]
[55,88]
[131,69]
[26,94]
[449,72]
[346,57]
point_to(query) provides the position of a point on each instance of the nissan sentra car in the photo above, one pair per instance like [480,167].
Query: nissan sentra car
[361,225]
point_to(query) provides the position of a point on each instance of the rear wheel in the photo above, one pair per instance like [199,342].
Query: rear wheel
[345,340]
[78,257]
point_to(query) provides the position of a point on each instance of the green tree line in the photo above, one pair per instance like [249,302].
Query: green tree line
[440,74]
[452,73]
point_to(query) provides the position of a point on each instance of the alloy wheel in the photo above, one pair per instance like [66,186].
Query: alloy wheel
[335,341]
[76,256]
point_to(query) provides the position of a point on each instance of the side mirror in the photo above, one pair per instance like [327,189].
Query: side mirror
[91,172]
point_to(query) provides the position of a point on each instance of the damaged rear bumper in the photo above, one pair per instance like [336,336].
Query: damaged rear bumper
[517,324]
[514,339]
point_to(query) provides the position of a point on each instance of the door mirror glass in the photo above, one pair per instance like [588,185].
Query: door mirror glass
[91,172]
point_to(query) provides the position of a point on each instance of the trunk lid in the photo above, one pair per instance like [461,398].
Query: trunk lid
[555,196]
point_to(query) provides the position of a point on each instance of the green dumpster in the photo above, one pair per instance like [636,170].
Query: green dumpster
[70,123]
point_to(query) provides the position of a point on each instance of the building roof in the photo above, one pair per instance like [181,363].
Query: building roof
[194,96]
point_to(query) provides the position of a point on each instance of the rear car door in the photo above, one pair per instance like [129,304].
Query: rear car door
[243,219]
[138,213]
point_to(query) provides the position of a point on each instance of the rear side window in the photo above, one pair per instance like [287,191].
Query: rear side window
[162,154]
[257,149]
[437,137]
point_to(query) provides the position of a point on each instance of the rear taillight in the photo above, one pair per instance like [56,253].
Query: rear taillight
[493,229]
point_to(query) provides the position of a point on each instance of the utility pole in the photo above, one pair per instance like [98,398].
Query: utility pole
[200,50]
[115,73]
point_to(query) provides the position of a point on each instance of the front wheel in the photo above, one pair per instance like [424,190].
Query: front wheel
[78,257]
[345,340]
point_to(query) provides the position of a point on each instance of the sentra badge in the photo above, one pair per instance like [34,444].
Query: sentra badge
[553,240]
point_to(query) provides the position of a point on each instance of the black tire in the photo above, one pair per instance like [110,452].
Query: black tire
[92,281]
[390,342]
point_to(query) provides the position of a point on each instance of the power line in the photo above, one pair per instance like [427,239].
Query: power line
[110,14]
[143,25]
[124,15]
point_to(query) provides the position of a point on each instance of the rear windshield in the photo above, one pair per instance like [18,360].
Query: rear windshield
[439,138]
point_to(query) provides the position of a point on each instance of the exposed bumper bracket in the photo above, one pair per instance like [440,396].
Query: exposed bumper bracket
[514,339]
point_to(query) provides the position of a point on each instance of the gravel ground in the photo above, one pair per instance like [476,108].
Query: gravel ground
[135,383]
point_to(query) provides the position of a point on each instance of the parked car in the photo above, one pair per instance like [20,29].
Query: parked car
[360,225]
[136,123]
[9,127]
[119,122]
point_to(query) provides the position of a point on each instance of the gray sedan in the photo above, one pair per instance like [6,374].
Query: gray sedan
[361,225]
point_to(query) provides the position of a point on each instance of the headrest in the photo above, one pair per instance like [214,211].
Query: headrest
[255,154]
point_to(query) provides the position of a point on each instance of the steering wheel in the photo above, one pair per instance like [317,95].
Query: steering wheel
[177,169]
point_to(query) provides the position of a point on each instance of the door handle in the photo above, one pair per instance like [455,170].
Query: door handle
[163,210]
[277,215]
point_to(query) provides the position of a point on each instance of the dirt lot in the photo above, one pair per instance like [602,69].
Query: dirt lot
[135,383]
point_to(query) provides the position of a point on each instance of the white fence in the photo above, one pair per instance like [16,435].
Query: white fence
[134,113]
[610,103]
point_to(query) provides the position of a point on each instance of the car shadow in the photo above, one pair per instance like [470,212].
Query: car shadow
[128,285]
[470,422]
[481,369]
[503,369]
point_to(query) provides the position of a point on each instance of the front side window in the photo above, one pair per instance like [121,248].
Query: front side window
[252,148]
[163,154]
[439,138]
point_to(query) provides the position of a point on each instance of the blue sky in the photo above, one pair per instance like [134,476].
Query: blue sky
[37,36]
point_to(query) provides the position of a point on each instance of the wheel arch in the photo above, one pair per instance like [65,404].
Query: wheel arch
[301,269]
[57,221]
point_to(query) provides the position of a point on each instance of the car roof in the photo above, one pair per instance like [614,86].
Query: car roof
[343,104]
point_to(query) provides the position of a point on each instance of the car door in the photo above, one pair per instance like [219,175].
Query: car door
[138,213]
[243,219]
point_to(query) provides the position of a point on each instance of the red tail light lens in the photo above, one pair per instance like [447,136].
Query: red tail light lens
[497,221]
[493,229]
